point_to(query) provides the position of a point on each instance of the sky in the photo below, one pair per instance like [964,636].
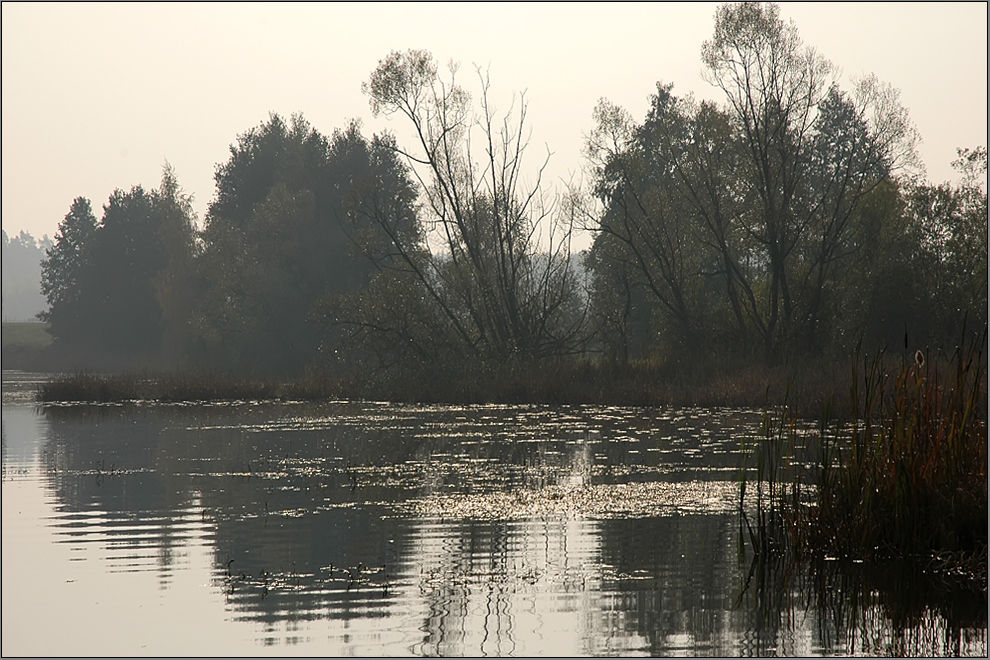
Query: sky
[100,96]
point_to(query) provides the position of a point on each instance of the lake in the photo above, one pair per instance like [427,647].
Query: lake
[347,528]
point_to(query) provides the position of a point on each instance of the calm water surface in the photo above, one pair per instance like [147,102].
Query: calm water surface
[375,529]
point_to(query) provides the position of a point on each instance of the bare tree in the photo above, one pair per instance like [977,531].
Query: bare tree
[495,257]
[773,85]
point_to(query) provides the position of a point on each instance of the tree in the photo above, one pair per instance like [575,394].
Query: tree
[924,276]
[64,274]
[176,284]
[126,257]
[951,223]
[286,237]
[498,292]
[666,215]
[773,85]
[743,220]
[105,281]
[811,153]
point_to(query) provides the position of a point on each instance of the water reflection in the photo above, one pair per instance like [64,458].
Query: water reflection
[371,529]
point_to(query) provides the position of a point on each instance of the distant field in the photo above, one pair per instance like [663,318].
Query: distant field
[28,334]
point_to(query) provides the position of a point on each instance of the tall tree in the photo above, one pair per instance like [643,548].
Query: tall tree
[773,85]
[104,281]
[125,259]
[811,153]
[748,216]
[499,292]
[64,274]
[176,285]
[665,212]
[285,237]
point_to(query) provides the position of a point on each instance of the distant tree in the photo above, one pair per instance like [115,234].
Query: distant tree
[285,238]
[497,291]
[22,256]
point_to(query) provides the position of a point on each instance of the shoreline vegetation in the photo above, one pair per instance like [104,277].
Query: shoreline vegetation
[558,382]
[903,478]
[644,383]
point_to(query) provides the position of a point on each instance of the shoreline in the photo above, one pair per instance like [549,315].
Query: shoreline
[576,384]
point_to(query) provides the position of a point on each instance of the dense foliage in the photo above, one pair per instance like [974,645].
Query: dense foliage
[789,221]
[778,223]
[287,236]
[108,282]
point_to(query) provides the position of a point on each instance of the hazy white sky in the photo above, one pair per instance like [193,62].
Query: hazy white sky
[98,96]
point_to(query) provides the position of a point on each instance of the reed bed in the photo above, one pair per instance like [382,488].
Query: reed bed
[588,380]
[114,388]
[905,478]
[912,479]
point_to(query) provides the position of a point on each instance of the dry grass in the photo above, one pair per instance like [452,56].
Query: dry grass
[641,384]
[912,479]
[905,479]
[112,388]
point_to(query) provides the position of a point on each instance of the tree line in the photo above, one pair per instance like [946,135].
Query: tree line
[789,221]
[22,255]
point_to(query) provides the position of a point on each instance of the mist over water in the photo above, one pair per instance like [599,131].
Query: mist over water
[379,529]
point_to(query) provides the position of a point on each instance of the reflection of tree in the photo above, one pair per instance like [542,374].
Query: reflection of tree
[278,505]
[497,587]
[102,460]
[682,574]
[895,609]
